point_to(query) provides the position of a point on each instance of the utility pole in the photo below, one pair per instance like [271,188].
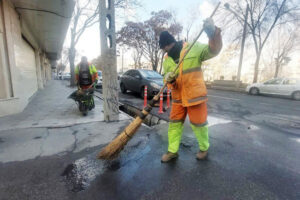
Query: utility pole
[227,6]
[108,54]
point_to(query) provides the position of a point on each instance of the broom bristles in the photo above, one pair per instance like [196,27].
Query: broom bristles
[113,149]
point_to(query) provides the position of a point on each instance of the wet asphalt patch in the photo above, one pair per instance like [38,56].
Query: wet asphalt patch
[79,174]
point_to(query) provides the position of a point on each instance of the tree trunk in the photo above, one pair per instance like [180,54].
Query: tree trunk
[72,54]
[161,62]
[277,68]
[154,67]
[256,66]
[72,65]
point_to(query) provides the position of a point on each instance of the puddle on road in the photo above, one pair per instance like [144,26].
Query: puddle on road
[82,172]
[296,139]
[79,174]
[216,120]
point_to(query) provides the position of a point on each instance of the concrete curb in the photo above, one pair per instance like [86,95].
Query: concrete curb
[232,89]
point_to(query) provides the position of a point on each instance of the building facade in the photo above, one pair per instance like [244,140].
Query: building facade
[32,33]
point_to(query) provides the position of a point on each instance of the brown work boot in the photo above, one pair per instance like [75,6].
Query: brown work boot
[202,155]
[168,157]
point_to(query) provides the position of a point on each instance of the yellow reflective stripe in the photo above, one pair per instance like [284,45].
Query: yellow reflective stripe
[197,99]
[200,125]
[195,69]
[176,101]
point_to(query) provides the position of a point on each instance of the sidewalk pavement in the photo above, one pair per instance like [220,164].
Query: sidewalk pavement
[52,124]
[51,108]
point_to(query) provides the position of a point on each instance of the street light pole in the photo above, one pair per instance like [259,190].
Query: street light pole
[243,42]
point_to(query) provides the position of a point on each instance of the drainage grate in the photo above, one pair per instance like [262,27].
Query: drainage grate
[150,120]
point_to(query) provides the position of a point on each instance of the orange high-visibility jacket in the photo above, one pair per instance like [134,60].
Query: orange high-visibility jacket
[92,69]
[189,88]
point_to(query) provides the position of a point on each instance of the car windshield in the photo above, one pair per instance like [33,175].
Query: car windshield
[274,81]
[150,74]
[99,73]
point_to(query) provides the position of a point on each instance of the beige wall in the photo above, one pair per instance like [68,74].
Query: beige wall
[5,83]
[23,67]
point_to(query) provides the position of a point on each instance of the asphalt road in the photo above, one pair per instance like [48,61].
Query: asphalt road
[238,105]
[254,154]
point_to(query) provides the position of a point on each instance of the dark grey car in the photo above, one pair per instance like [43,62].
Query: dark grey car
[136,79]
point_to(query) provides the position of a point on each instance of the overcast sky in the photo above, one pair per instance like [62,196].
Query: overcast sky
[89,43]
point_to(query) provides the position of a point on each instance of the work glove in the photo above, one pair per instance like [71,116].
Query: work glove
[170,77]
[209,27]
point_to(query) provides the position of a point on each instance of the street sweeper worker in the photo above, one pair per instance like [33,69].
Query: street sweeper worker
[189,93]
[85,74]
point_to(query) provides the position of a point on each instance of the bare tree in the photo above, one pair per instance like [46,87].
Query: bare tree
[137,57]
[144,36]
[285,42]
[264,16]
[221,65]
[85,15]
[63,61]
[191,20]
[131,35]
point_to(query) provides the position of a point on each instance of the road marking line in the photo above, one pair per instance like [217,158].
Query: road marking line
[223,97]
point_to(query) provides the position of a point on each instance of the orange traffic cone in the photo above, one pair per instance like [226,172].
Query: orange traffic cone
[161,103]
[145,96]
[168,98]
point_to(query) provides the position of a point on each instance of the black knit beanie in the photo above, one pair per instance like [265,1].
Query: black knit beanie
[165,38]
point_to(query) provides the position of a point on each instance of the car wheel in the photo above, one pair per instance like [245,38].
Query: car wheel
[123,88]
[296,95]
[254,91]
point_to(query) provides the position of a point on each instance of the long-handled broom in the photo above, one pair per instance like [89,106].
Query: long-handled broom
[113,149]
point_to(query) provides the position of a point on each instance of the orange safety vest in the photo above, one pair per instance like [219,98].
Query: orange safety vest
[189,88]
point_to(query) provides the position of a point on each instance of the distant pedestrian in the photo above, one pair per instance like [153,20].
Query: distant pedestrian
[189,93]
[86,77]
[86,74]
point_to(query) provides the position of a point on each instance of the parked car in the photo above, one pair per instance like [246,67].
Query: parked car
[136,80]
[59,75]
[99,83]
[277,86]
[66,76]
